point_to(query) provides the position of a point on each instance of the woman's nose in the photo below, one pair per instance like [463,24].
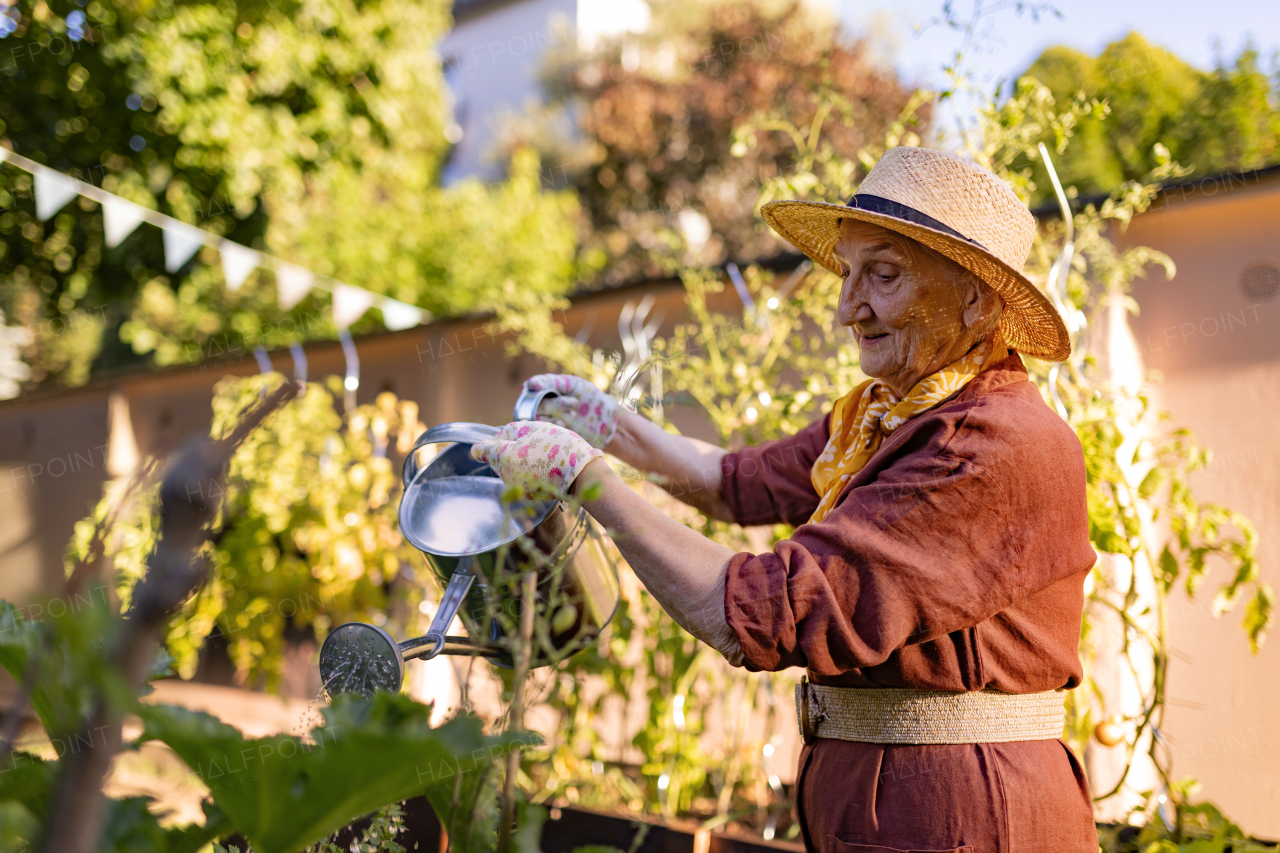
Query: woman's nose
[853,307]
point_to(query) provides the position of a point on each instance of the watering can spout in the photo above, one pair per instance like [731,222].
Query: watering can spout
[434,641]
[360,658]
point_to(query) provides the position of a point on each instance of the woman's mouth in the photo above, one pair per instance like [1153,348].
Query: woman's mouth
[872,340]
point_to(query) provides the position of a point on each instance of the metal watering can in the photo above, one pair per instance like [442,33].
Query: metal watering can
[452,511]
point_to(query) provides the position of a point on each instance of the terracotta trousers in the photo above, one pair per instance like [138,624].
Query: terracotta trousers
[971,798]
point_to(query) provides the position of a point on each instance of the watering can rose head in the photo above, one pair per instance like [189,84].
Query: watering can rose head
[579,406]
[539,460]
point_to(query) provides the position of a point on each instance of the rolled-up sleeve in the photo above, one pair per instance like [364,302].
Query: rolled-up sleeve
[771,482]
[935,542]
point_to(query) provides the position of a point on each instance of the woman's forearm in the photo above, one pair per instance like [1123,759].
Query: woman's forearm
[683,569]
[687,468]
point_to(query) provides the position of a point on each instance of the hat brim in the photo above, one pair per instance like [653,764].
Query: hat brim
[1029,321]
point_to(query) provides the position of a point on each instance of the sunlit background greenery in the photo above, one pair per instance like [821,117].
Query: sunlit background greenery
[316,131]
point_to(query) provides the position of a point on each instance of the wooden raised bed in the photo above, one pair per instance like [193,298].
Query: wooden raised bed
[571,828]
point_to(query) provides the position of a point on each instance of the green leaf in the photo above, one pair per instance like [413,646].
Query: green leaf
[1258,616]
[128,825]
[192,838]
[131,828]
[1168,566]
[284,794]
[465,800]
[19,828]
[27,779]
[1151,482]
[67,652]
[529,820]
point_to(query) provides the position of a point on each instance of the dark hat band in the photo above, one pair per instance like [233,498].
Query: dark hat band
[888,207]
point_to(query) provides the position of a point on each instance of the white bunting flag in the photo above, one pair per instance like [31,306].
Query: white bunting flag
[350,303]
[293,283]
[180,243]
[397,315]
[119,218]
[53,191]
[237,262]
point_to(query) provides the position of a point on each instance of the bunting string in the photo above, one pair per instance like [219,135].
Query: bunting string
[54,190]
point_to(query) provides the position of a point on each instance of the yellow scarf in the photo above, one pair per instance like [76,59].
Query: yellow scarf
[861,419]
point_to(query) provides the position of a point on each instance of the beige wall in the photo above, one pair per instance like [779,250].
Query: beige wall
[52,465]
[1219,354]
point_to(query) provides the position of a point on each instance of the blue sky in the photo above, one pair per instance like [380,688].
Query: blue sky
[1188,29]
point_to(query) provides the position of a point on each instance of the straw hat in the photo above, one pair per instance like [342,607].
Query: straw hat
[954,207]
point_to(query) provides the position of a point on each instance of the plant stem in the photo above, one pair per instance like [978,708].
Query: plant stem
[529,591]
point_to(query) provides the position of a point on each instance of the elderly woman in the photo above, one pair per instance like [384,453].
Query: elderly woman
[933,586]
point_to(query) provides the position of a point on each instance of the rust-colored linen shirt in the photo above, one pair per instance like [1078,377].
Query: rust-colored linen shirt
[955,560]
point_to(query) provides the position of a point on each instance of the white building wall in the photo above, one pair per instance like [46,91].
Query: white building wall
[492,59]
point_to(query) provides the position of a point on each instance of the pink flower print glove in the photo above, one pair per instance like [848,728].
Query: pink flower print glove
[581,407]
[540,459]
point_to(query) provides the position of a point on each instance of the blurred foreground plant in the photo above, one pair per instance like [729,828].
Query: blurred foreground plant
[83,670]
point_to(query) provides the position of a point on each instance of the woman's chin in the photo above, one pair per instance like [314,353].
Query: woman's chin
[874,362]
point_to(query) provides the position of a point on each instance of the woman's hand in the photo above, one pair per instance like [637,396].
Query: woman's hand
[581,407]
[689,469]
[540,459]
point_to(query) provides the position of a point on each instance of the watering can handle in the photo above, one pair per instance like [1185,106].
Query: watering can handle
[468,433]
[527,403]
[459,431]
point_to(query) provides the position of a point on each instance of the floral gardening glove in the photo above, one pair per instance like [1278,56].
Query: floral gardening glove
[540,459]
[581,407]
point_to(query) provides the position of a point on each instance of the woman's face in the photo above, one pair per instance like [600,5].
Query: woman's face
[909,309]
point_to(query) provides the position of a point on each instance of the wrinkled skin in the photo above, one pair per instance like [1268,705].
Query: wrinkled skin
[911,311]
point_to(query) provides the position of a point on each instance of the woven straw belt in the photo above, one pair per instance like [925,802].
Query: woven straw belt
[904,716]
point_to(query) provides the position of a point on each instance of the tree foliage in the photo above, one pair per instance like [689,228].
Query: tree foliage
[1223,120]
[656,115]
[312,130]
